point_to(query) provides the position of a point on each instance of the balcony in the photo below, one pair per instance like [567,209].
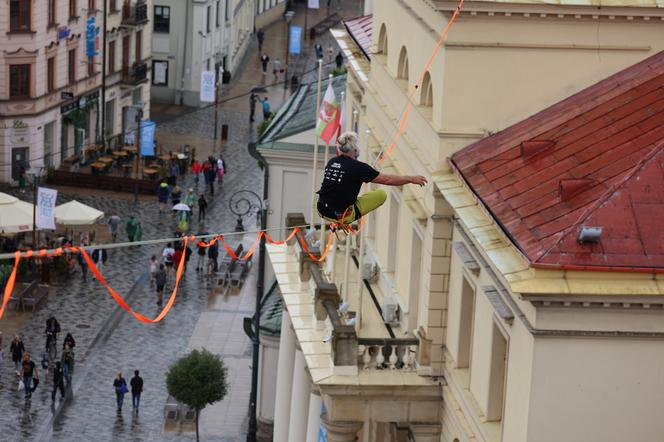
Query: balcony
[134,15]
[136,74]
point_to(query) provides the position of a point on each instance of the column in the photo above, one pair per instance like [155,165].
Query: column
[267,387]
[426,432]
[299,404]
[284,379]
[313,424]
[341,431]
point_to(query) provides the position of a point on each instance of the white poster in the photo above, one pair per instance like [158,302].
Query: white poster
[160,68]
[314,4]
[46,208]
[207,86]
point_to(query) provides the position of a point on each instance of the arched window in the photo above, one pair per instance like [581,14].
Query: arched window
[402,69]
[426,91]
[382,40]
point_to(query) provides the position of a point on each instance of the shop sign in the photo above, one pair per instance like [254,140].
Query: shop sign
[20,132]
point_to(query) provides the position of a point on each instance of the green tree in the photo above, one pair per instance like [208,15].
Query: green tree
[197,380]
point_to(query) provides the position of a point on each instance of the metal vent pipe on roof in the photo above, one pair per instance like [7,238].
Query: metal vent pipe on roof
[590,234]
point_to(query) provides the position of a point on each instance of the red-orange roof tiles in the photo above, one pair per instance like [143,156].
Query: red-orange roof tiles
[361,30]
[593,159]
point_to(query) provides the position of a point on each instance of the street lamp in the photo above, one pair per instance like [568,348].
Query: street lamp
[289,17]
[243,203]
[139,118]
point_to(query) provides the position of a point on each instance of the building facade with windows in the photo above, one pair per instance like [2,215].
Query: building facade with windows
[269,11]
[515,297]
[49,86]
[128,66]
[196,35]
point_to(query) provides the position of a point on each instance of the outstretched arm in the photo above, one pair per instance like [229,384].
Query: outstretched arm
[399,180]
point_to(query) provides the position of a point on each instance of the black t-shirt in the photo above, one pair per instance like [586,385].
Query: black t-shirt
[342,182]
[136,384]
[28,368]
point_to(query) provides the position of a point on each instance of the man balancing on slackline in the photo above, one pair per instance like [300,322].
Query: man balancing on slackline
[344,174]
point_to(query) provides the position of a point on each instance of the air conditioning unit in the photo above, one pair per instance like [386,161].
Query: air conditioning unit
[391,311]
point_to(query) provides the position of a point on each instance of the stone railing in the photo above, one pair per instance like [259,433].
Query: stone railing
[349,350]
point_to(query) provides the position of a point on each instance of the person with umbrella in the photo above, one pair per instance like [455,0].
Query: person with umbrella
[183,216]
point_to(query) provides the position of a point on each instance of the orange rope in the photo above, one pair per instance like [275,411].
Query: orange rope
[406,113]
[9,288]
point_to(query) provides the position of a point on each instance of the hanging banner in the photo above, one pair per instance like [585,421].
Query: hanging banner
[207,86]
[314,4]
[46,208]
[295,40]
[91,40]
[147,138]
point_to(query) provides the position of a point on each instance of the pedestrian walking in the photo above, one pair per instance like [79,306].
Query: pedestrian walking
[153,267]
[220,170]
[190,199]
[210,172]
[134,229]
[83,265]
[58,381]
[67,360]
[17,349]
[121,389]
[260,36]
[339,60]
[113,224]
[253,99]
[136,390]
[51,331]
[177,257]
[29,371]
[69,341]
[264,61]
[201,252]
[160,281]
[163,193]
[176,195]
[167,257]
[276,69]
[266,108]
[213,254]
[187,256]
[100,257]
[202,207]
[196,169]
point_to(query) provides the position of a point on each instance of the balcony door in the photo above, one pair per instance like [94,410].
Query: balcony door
[125,56]
[139,46]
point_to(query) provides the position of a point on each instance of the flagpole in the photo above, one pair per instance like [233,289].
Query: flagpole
[315,165]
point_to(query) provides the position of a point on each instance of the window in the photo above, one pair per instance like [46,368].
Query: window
[72,66]
[73,10]
[494,411]
[393,234]
[402,70]
[92,9]
[49,137]
[162,19]
[218,13]
[159,73]
[466,324]
[91,66]
[125,55]
[113,5]
[19,15]
[382,41]
[51,13]
[227,11]
[19,81]
[414,284]
[50,74]
[208,24]
[426,92]
[139,46]
[111,57]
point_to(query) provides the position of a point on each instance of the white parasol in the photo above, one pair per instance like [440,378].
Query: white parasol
[74,213]
[15,215]
[182,207]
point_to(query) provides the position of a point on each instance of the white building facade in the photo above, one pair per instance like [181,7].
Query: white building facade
[191,36]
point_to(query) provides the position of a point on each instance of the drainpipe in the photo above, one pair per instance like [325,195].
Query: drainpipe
[184,56]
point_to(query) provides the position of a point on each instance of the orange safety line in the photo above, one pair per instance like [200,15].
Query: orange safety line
[123,303]
[406,114]
[9,288]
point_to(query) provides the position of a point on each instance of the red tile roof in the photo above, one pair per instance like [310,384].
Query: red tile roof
[594,159]
[361,30]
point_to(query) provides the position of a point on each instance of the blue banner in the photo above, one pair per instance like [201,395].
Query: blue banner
[91,33]
[147,138]
[295,40]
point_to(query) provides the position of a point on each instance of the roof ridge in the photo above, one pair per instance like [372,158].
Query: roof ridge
[608,193]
